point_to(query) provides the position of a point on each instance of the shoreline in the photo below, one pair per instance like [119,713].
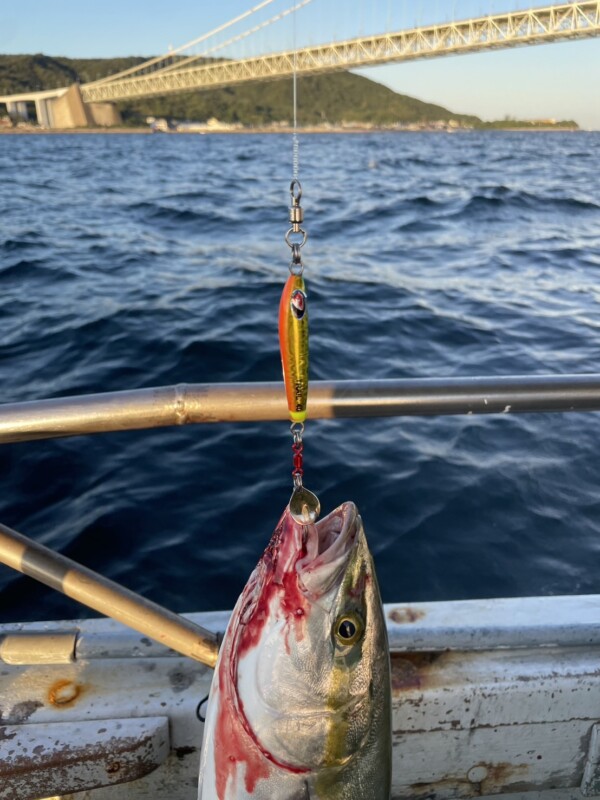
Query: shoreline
[266,130]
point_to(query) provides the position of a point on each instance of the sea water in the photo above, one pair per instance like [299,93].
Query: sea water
[131,261]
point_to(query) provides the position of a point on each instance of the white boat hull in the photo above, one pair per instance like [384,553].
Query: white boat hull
[490,698]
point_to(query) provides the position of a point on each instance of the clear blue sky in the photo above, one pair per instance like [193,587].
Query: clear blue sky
[556,80]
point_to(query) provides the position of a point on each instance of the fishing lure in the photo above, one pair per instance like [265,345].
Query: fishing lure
[293,343]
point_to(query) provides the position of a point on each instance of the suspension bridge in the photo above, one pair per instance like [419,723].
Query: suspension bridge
[179,71]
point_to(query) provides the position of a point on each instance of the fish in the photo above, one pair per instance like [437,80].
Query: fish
[300,702]
[293,344]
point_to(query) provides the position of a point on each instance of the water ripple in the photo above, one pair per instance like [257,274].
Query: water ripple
[138,261]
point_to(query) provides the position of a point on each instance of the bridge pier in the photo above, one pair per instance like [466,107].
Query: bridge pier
[43,114]
[105,115]
[17,110]
[69,111]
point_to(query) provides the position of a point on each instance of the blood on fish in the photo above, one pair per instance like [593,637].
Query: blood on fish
[278,579]
[234,748]
[276,582]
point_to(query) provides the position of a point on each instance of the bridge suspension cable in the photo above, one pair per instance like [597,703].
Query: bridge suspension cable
[185,62]
[168,57]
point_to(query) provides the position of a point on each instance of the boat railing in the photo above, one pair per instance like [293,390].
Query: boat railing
[185,404]
[249,402]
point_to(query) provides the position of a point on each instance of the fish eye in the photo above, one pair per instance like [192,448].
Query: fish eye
[348,629]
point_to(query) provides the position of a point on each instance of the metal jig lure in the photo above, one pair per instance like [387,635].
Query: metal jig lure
[293,343]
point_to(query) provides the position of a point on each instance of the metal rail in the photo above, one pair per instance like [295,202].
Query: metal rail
[185,404]
[107,597]
[534,26]
[252,402]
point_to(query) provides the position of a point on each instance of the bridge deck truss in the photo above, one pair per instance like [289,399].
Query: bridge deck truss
[534,26]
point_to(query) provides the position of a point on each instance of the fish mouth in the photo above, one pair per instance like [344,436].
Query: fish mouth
[329,544]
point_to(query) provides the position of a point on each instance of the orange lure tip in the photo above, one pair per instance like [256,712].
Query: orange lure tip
[293,344]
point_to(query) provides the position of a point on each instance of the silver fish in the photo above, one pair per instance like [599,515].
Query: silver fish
[300,704]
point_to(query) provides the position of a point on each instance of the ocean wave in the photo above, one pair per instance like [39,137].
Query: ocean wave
[453,256]
[25,270]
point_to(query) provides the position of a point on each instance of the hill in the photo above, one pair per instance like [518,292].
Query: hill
[334,98]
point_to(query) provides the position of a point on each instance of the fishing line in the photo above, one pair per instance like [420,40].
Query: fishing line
[293,327]
[295,142]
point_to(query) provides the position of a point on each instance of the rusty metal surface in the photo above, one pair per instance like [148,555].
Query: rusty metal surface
[509,722]
[101,695]
[499,623]
[59,757]
[472,724]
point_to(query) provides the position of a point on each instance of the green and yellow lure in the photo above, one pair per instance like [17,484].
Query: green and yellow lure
[293,343]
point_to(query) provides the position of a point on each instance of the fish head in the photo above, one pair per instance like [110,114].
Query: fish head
[310,649]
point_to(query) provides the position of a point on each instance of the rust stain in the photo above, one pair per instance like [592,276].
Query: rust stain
[405,675]
[412,670]
[405,615]
[505,774]
[498,777]
[64,693]
[23,776]
[443,788]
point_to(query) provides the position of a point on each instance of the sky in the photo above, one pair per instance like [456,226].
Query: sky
[560,81]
